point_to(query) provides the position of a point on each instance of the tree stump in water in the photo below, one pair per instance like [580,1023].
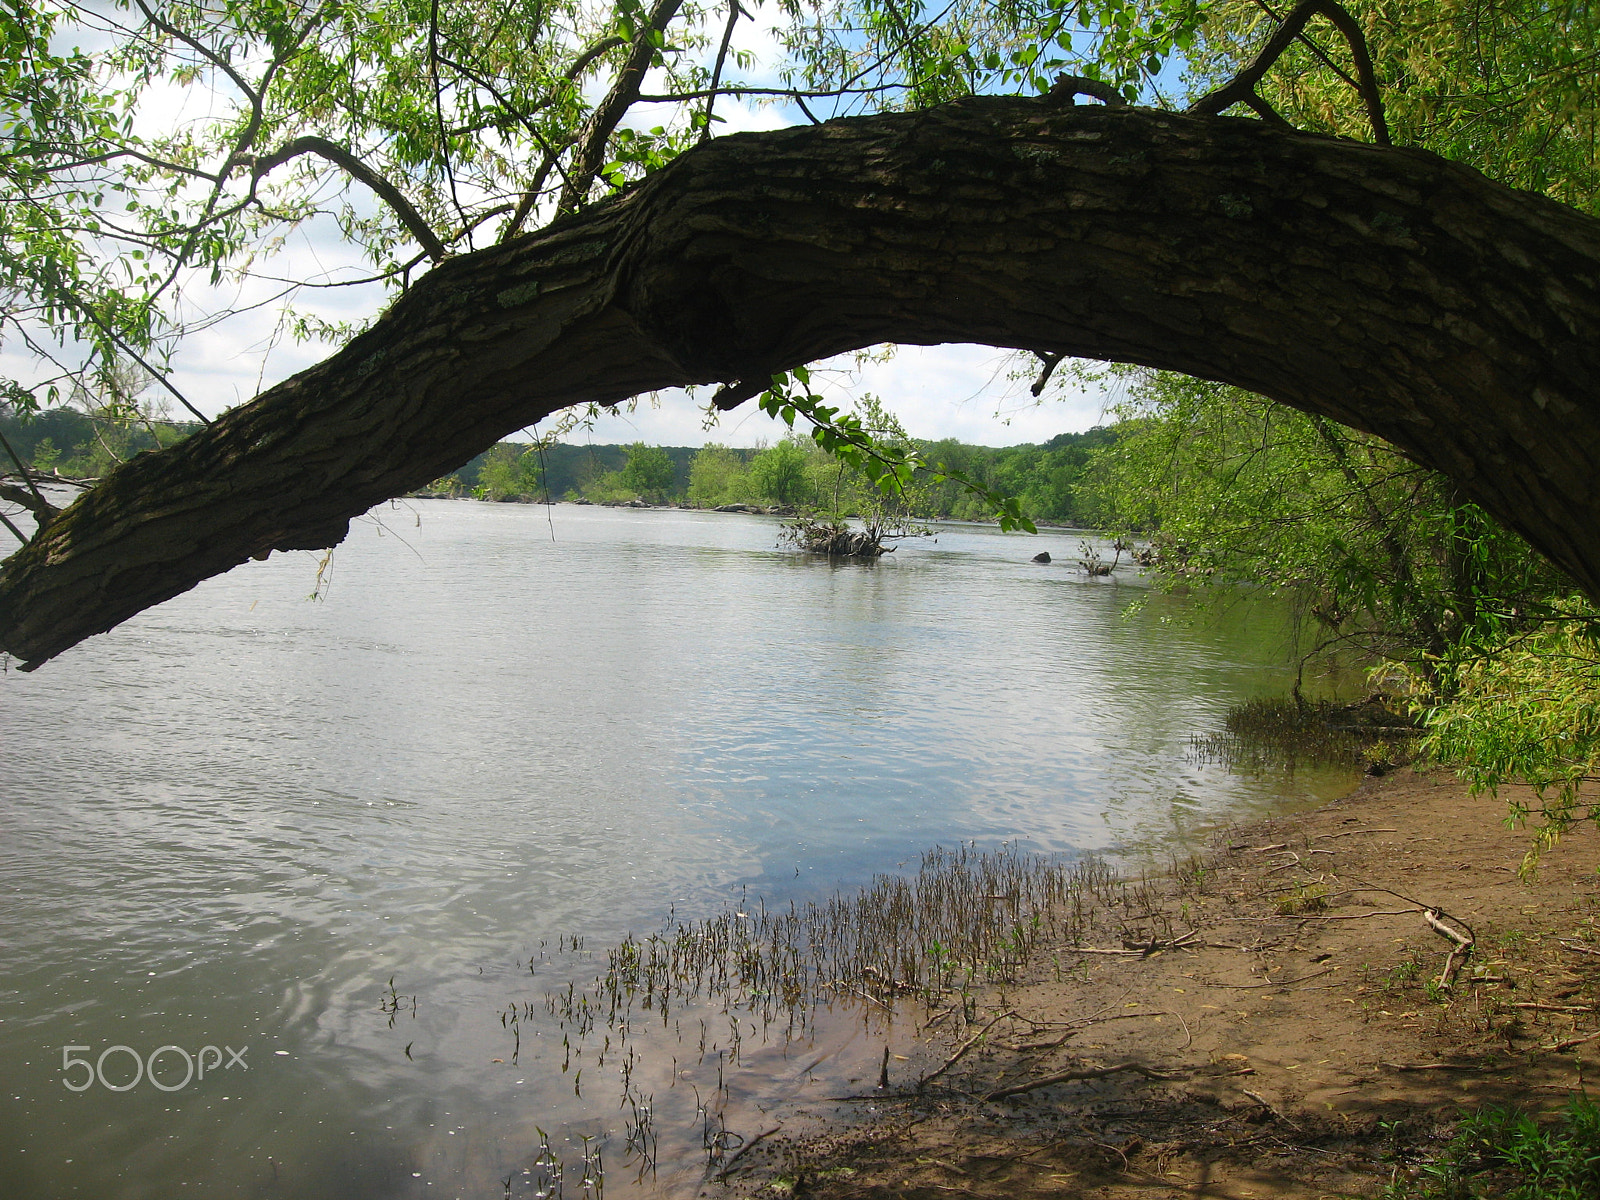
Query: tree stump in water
[836,539]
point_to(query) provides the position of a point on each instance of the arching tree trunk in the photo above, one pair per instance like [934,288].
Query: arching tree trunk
[1385,288]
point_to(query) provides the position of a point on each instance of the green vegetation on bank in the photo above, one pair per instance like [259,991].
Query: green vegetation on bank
[1508,1153]
[1385,563]
[794,472]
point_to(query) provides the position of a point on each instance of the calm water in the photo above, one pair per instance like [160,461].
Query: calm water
[235,820]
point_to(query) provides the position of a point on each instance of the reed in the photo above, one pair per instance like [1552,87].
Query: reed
[750,974]
[1260,734]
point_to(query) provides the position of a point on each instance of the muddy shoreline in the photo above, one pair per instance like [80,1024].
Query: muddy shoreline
[1274,1017]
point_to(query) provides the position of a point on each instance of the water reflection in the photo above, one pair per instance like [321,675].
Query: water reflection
[235,819]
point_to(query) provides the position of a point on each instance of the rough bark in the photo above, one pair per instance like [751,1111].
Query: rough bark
[1385,288]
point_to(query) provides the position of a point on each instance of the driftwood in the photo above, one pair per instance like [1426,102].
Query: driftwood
[1459,952]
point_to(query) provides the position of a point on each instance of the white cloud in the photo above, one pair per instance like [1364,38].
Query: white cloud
[957,391]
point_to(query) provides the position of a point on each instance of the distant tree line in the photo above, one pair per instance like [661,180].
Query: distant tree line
[84,445]
[793,472]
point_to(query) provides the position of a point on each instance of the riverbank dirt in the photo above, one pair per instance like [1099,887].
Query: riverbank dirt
[1264,1020]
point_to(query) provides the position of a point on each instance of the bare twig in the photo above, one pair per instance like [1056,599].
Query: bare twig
[734,12]
[1459,952]
[961,1052]
[743,1150]
[1558,1008]
[1179,943]
[1188,1036]
[1396,912]
[7,522]
[32,499]
[1270,982]
[1285,866]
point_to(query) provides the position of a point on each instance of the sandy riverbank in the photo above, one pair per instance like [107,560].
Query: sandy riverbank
[1287,1037]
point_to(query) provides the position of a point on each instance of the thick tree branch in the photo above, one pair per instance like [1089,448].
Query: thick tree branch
[1385,288]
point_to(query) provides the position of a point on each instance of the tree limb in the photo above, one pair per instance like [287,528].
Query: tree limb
[358,170]
[1241,89]
[1385,288]
[722,57]
[603,121]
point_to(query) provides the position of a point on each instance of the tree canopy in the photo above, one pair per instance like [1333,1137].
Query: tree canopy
[549,246]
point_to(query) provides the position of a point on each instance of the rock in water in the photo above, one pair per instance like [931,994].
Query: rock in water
[1042,557]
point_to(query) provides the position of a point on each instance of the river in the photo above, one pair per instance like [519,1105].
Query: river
[337,838]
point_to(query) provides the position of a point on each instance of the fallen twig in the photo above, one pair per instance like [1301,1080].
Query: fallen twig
[1458,953]
[1269,983]
[1348,832]
[1269,1106]
[1395,912]
[1432,915]
[1569,1043]
[1578,949]
[1187,1035]
[961,1052]
[1433,1066]
[1178,943]
[1034,1047]
[1018,1089]
[1560,1008]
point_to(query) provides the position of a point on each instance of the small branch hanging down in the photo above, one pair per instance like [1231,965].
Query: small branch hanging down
[1051,362]
[30,498]
[1241,89]
[41,508]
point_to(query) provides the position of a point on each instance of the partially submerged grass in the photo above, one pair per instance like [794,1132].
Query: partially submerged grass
[966,919]
[1509,1154]
[1371,735]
